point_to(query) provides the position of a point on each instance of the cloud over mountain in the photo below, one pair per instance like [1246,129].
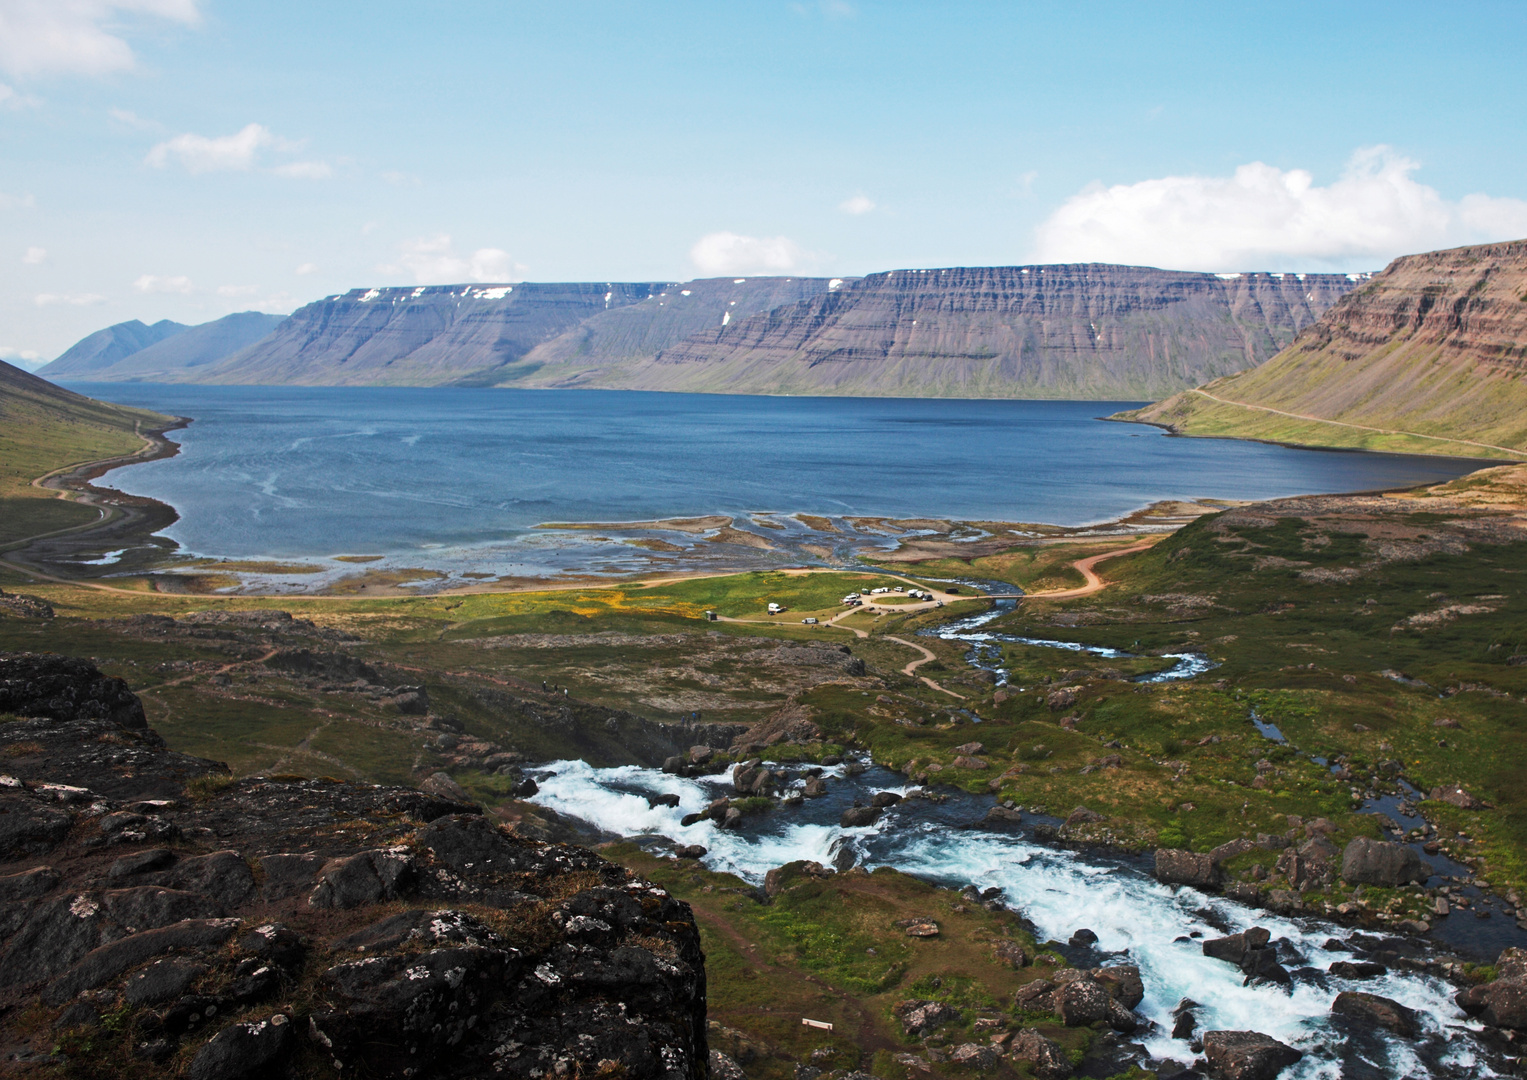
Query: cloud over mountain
[1262,217]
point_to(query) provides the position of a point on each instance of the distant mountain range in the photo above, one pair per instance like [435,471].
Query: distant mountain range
[1430,356]
[164,352]
[1066,331]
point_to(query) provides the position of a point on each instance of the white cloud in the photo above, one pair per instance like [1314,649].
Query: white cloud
[13,202]
[76,37]
[72,299]
[433,261]
[199,154]
[11,99]
[235,290]
[35,256]
[1263,217]
[305,269]
[858,204]
[305,170]
[728,253]
[402,179]
[133,120]
[22,358]
[151,283]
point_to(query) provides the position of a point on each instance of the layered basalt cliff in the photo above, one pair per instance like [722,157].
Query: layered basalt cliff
[1428,356]
[159,918]
[527,334]
[422,336]
[1067,331]
[1083,331]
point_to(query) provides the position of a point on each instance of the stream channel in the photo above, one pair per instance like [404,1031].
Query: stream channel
[1136,919]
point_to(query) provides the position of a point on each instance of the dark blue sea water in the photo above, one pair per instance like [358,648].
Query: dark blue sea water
[293,472]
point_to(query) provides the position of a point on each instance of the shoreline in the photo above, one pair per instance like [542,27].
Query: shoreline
[127,520]
[697,545]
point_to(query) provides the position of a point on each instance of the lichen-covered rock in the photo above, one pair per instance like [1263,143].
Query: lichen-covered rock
[919,1018]
[1175,867]
[432,943]
[1380,862]
[1048,1059]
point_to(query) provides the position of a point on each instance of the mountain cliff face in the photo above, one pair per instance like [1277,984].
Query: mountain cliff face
[159,918]
[1084,331]
[1068,331]
[86,358]
[1430,356]
[637,332]
[422,336]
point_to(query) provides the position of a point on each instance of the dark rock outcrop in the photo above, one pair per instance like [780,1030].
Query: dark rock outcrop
[63,688]
[262,927]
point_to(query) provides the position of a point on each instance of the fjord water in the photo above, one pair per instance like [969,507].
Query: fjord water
[311,471]
[1136,919]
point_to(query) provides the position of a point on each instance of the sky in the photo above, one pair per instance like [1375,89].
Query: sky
[185,159]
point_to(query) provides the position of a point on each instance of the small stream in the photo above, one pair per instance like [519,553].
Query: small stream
[1155,926]
[986,645]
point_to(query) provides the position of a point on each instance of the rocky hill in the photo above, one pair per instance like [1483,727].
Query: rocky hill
[1068,331]
[158,918]
[166,359]
[98,351]
[1428,357]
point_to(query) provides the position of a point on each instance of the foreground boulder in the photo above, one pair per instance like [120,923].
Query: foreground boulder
[1246,1055]
[257,927]
[1379,862]
[1175,867]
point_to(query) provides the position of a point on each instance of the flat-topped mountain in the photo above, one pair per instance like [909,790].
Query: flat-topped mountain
[1068,331]
[1429,356]
[491,334]
[1082,331]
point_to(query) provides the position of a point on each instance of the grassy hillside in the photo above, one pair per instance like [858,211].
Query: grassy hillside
[1427,358]
[45,428]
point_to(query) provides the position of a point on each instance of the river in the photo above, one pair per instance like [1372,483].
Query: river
[1158,927]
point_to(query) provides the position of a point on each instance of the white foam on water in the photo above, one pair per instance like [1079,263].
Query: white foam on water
[1059,892]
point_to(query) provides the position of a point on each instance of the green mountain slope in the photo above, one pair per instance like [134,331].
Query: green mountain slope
[45,428]
[1428,357]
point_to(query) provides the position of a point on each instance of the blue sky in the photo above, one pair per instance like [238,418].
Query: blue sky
[187,158]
